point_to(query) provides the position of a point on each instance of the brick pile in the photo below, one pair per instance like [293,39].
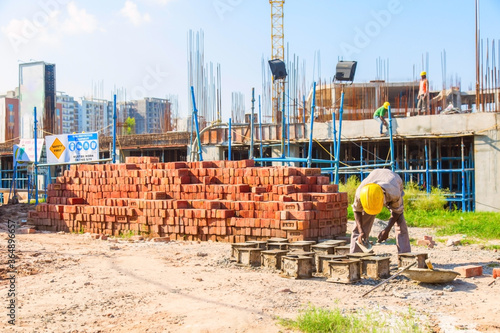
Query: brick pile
[229,201]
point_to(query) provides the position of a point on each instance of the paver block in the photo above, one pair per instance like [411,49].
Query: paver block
[272,258]
[344,270]
[469,270]
[297,267]
[405,259]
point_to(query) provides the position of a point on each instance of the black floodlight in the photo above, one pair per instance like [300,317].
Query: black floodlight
[345,70]
[278,69]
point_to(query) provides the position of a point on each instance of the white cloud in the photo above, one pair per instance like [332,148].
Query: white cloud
[78,21]
[159,2]
[131,12]
[49,25]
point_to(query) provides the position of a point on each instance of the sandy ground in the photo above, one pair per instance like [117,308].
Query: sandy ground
[73,283]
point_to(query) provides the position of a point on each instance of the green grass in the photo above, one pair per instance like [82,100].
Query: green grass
[314,319]
[127,234]
[492,247]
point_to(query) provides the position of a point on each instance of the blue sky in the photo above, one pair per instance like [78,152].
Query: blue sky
[142,44]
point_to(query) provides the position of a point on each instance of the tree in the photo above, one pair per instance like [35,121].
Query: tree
[130,125]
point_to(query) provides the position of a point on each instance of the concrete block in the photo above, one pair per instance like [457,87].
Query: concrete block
[235,247]
[272,258]
[297,267]
[344,270]
[469,270]
[375,267]
[322,260]
[277,246]
[300,246]
[342,250]
[249,256]
[405,259]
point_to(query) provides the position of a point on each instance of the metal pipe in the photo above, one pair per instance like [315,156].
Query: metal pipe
[283,128]
[36,157]
[337,153]
[260,128]
[252,124]
[195,115]
[391,140]
[427,186]
[229,144]
[309,156]
[114,129]
[463,175]
[361,161]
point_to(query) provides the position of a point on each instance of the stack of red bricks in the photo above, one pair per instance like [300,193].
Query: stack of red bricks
[231,201]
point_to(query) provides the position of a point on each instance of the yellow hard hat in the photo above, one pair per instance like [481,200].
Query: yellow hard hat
[386,104]
[423,73]
[372,199]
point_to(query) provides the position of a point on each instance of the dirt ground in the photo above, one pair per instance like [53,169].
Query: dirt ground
[73,283]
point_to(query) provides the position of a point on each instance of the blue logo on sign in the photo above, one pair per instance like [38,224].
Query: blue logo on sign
[86,145]
[78,146]
[72,146]
[93,145]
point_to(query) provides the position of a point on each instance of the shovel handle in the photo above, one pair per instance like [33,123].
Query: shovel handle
[387,280]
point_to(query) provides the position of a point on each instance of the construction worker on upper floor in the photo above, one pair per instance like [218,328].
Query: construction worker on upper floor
[423,94]
[379,115]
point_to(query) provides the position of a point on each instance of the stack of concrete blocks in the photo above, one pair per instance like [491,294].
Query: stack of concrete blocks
[227,201]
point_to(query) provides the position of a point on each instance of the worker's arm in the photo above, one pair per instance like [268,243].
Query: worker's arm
[384,234]
[358,218]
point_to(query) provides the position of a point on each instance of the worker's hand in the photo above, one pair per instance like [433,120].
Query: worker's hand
[383,235]
[362,237]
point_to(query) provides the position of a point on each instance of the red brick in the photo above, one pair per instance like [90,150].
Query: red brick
[470,270]
[496,272]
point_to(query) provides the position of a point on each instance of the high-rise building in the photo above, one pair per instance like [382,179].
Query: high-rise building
[9,116]
[37,88]
[95,115]
[69,111]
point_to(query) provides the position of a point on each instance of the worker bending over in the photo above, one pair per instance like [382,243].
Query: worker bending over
[381,187]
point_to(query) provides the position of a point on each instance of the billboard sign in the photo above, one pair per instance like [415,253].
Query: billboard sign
[24,152]
[70,148]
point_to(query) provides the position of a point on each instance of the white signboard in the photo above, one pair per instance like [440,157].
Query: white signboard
[66,148]
[24,152]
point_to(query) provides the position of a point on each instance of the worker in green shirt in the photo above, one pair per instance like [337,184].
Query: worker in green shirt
[380,114]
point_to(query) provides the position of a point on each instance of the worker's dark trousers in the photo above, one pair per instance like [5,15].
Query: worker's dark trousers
[400,228]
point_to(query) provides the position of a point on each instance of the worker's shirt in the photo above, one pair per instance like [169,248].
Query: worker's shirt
[391,184]
[381,112]
[423,87]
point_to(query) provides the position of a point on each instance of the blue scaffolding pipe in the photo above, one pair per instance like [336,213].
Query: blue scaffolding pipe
[252,124]
[427,185]
[439,175]
[361,161]
[260,129]
[36,156]
[463,176]
[337,152]
[195,115]
[391,141]
[334,125]
[356,167]
[283,124]
[313,106]
[114,128]
[229,143]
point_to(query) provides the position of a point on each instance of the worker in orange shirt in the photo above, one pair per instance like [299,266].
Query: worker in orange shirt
[423,92]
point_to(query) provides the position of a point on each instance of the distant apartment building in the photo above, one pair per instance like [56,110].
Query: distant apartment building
[37,89]
[9,116]
[152,115]
[95,115]
[68,109]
